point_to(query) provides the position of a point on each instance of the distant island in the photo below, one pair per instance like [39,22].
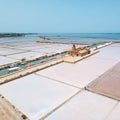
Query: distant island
[4,35]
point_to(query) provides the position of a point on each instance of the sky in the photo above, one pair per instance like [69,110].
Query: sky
[60,16]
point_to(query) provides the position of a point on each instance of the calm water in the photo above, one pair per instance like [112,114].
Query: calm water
[68,37]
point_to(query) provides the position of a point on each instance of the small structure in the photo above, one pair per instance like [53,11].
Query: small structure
[73,47]
[78,51]
[13,69]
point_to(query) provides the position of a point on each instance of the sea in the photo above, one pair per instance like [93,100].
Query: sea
[82,38]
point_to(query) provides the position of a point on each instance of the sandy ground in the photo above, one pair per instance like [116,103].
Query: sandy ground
[7,112]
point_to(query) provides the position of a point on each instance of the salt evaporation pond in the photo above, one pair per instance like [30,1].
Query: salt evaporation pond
[36,96]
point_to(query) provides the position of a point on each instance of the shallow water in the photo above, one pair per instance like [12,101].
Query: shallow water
[67,37]
[5,71]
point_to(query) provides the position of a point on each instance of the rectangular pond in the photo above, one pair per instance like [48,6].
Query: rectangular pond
[36,96]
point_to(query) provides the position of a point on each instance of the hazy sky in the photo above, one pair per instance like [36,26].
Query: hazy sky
[81,16]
